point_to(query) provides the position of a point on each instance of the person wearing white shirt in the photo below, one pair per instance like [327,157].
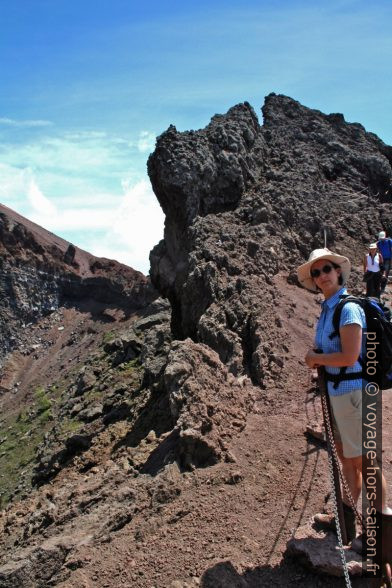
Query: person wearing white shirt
[373,268]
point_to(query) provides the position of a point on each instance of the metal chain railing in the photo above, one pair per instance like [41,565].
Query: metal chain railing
[335,509]
[336,459]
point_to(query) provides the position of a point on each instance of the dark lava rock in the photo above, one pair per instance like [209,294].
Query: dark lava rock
[244,202]
[91,412]
[119,412]
[77,443]
[85,381]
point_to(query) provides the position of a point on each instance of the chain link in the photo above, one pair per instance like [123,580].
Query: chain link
[334,456]
[333,459]
[338,530]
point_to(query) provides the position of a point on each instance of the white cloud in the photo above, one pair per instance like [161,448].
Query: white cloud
[75,221]
[11,122]
[131,230]
[12,182]
[139,219]
[146,141]
[39,202]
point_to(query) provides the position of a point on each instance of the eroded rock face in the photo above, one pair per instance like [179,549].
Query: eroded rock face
[243,202]
[36,566]
[207,403]
[195,174]
[206,172]
[112,387]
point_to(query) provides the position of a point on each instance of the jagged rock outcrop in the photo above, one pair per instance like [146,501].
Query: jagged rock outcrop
[195,174]
[243,202]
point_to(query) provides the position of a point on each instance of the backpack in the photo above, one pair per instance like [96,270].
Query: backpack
[378,321]
[390,246]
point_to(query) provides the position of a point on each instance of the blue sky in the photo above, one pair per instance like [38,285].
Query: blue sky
[86,87]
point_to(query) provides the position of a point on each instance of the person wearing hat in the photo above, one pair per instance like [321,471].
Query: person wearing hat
[372,267]
[384,245]
[328,272]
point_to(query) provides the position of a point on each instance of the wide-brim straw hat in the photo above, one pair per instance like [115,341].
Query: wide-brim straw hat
[373,246]
[303,272]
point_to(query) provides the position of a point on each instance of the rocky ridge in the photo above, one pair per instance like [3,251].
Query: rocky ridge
[244,202]
[139,401]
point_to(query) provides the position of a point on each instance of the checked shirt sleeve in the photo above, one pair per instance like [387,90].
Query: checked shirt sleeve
[352,314]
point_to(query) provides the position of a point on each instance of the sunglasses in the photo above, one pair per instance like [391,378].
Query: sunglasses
[316,273]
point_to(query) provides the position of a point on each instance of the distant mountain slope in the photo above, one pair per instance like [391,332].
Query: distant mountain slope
[39,272]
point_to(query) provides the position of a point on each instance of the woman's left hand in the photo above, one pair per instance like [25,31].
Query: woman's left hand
[312,359]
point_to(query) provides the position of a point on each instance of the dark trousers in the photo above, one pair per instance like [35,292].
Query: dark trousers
[373,285]
[387,266]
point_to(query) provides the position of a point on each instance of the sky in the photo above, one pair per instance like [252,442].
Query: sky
[88,85]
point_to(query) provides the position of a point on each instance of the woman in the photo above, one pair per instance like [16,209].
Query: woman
[372,267]
[328,272]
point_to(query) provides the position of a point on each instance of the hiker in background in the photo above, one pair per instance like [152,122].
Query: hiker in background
[384,245]
[328,272]
[372,267]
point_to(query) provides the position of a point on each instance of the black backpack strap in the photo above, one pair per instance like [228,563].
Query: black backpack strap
[342,376]
[337,378]
[338,312]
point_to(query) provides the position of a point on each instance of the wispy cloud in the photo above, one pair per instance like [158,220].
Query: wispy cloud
[38,201]
[11,122]
[80,154]
[146,141]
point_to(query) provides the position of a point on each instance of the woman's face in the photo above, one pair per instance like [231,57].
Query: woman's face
[326,277]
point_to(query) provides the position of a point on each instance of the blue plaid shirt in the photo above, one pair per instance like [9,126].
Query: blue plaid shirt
[351,314]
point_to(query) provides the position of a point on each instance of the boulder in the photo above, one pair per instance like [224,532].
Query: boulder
[320,552]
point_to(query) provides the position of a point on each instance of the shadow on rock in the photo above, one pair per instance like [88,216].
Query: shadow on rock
[165,453]
[155,416]
[49,466]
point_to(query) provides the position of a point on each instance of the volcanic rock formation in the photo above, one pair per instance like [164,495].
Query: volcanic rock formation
[243,202]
